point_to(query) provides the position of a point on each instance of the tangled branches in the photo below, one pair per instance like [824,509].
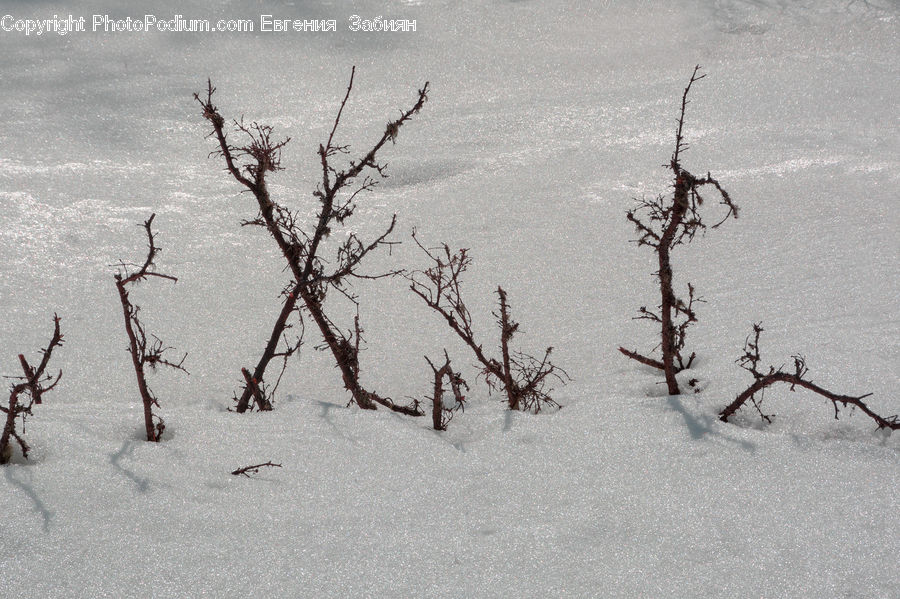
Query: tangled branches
[337,195]
[34,383]
[522,377]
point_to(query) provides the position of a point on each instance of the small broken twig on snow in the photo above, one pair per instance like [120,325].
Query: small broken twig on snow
[248,470]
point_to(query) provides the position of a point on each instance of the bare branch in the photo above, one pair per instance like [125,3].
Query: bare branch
[144,354]
[34,384]
[664,223]
[144,271]
[750,361]
[679,139]
[337,194]
[441,415]
[642,359]
[521,377]
[248,470]
[253,383]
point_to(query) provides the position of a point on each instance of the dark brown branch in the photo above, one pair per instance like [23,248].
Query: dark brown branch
[351,254]
[507,329]
[337,118]
[211,113]
[642,359]
[34,384]
[441,293]
[672,222]
[750,360]
[252,388]
[679,138]
[253,382]
[302,249]
[248,470]
[521,377]
[440,415]
[144,353]
[144,271]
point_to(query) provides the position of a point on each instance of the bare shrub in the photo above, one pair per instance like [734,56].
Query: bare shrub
[313,275]
[669,222]
[521,377]
[750,361]
[145,352]
[26,393]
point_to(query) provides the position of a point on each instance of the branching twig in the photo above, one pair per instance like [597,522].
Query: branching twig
[337,194]
[665,223]
[521,377]
[144,352]
[750,361]
[34,383]
[248,470]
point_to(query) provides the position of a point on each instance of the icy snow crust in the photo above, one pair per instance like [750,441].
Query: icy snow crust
[545,121]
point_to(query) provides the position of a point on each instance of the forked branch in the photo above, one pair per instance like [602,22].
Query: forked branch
[23,395]
[750,361]
[145,352]
[313,276]
[662,224]
[441,415]
[522,378]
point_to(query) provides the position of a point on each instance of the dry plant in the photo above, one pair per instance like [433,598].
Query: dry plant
[441,415]
[750,361]
[303,248]
[669,222]
[254,469]
[26,393]
[145,352]
[521,377]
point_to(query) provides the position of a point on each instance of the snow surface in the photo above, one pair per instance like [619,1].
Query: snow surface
[545,121]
